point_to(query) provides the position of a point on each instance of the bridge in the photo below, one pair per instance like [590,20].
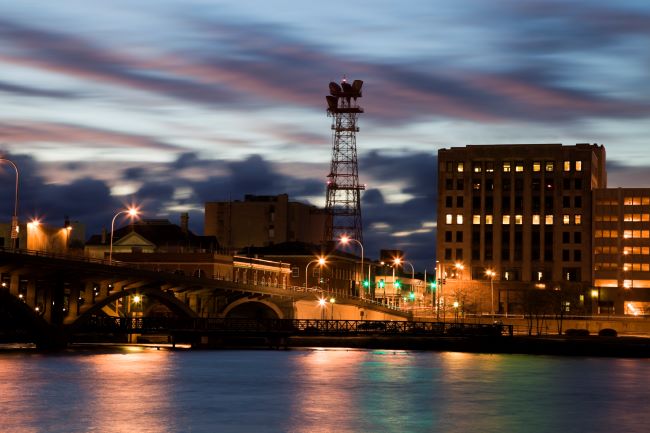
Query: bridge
[51,295]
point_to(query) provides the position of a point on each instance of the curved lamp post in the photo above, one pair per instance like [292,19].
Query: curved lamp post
[321,261]
[14,219]
[133,212]
[345,240]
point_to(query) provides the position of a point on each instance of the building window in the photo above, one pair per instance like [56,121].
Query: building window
[548,220]
[578,165]
[459,254]
[489,167]
[488,219]
[447,253]
[459,185]
[459,236]
[577,255]
[536,220]
[577,201]
[506,219]
[449,184]
[549,166]
[478,167]
[537,166]
[567,165]
[459,219]
[448,201]
[447,236]
[566,237]
[449,219]
[460,167]
[476,184]
[506,167]
[459,201]
[295,272]
[566,219]
[565,255]
[578,184]
[566,201]
[519,167]
[577,219]
[577,238]
[476,219]
[519,219]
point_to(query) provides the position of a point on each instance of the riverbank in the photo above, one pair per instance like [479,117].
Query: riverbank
[625,347]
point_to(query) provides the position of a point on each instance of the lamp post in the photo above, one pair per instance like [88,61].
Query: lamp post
[133,212]
[490,273]
[332,301]
[321,261]
[322,303]
[14,219]
[345,240]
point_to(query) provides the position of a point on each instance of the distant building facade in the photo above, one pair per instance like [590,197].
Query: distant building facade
[622,251]
[260,221]
[516,218]
[42,237]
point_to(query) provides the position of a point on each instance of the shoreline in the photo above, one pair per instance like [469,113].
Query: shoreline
[591,346]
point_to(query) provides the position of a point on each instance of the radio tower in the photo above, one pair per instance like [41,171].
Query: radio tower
[343,205]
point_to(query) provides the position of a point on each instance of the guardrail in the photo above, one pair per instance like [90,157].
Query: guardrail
[295,327]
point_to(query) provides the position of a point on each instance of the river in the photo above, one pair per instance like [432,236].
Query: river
[142,389]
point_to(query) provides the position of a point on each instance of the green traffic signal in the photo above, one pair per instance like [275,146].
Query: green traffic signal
[381,284]
[397,284]
[412,296]
[366,283]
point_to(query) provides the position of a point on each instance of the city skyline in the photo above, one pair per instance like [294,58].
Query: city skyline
[174,104]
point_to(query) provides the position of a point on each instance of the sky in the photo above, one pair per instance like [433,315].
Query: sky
[170,103]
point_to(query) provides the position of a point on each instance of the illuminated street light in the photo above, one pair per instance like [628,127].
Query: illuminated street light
[322,303]
[345,240]
[132,212]
[321,261]
[332,301]
[490,273]
[14,218]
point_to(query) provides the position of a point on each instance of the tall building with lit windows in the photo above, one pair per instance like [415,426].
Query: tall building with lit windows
[514,218]
[622,251]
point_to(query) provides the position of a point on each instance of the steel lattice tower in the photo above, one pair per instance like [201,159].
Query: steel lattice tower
[343,205]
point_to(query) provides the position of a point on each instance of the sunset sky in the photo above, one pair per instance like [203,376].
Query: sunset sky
[172,103]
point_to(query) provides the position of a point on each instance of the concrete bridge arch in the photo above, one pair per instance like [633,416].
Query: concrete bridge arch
[253,309]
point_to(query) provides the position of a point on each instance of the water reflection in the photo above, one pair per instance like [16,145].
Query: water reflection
[317,391]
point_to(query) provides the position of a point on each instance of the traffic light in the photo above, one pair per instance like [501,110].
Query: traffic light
[366,283]
[381,283]
[412,296]
[433,286]
[397,284]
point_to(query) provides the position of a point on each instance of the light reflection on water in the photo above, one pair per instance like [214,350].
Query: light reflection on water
[317,391]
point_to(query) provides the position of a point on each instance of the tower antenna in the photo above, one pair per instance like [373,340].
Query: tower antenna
[343,204]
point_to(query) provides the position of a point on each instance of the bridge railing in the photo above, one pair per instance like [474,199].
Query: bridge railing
[297,327]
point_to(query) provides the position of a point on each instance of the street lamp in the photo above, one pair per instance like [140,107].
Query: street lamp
[490,273]
[322,303]
[321,261]
[132,212]
[14,219]
[345,240]
[332,301]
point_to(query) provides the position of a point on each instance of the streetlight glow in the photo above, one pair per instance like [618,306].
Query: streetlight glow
[345,239]
[133,212]
[321,262]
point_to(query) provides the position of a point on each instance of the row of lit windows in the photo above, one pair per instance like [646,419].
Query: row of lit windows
[606,250]
[608,266]
[636,217]
[627,201]
[627,234]
[636,234]
[636,250]
[517,166]
[518,219]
